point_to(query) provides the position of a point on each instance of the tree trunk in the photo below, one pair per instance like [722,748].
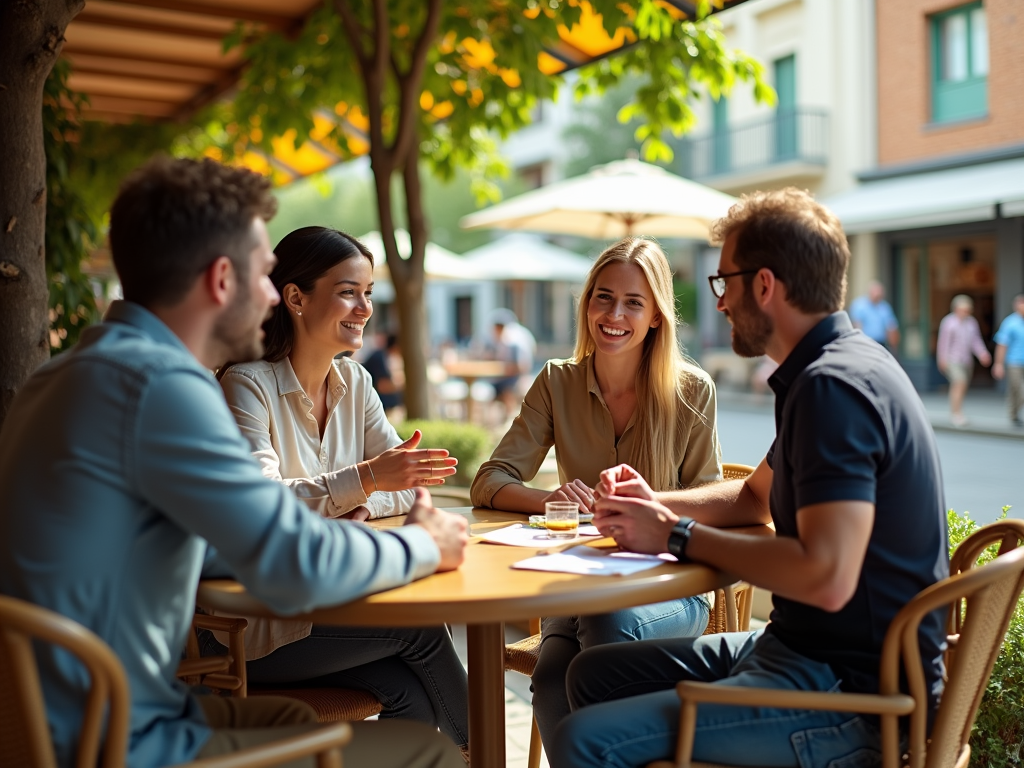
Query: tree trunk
[407,278]
[417,400]
[31,35]
[412,319]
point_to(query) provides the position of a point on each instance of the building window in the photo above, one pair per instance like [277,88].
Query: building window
[722,141]
[463,318]
[959,64]
[533,176]
[785,109]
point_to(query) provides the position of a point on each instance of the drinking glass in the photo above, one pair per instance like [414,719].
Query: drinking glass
[562,519]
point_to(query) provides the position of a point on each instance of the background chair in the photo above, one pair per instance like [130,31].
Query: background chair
[332,705]
[24,731]
[991,592]
[730,613]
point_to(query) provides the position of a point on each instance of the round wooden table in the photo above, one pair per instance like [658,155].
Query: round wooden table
[483,594]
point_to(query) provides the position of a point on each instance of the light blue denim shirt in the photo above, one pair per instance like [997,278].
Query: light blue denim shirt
[1011,336]
[119,461]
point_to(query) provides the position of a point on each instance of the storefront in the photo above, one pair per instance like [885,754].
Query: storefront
[941,232]
[925,270]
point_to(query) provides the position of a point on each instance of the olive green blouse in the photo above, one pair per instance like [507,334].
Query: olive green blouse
[564,408]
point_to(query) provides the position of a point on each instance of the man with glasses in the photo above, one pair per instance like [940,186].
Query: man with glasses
[853,485]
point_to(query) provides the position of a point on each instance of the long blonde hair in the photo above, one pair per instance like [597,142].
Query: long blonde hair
[664,377]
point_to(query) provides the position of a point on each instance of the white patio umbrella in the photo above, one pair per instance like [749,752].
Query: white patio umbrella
[625,197]
[438,263]
[527,257]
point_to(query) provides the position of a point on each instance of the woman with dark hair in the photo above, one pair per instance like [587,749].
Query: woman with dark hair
[315,423]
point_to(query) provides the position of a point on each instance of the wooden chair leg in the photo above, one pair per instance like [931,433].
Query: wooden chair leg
[731,614]
[533,761]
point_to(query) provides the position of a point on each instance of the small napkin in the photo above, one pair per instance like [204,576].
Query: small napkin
[588,561]
[519,535]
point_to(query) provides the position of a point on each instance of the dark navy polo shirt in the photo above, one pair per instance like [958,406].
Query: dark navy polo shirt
[850,427]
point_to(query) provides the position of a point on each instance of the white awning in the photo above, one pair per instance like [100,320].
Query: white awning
[527,257]
[438,263]
[951,196]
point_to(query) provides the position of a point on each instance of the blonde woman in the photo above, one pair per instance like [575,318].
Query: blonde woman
[627,395]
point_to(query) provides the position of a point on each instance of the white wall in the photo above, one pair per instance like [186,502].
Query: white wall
[833,41]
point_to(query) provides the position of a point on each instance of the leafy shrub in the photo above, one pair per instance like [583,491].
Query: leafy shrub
[466,442]
[999,727]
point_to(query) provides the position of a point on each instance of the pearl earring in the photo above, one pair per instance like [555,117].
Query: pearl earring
[298,311]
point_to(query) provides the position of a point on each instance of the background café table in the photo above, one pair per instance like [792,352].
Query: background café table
[471,370]
[483,594]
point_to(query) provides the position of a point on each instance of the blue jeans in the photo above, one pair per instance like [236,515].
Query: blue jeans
[626,711]
[414,673]
[564,638]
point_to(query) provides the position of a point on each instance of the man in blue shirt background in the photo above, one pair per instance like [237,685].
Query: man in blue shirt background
[873,315]
[122,466]
[1009,362]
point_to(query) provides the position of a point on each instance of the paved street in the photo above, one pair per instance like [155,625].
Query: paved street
[981,472]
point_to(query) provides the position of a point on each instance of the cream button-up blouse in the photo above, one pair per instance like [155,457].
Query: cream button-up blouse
[275,416]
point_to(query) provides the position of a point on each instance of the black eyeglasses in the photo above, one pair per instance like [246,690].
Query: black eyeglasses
[717,282]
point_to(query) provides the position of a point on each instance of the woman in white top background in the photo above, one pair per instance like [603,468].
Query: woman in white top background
[315,423]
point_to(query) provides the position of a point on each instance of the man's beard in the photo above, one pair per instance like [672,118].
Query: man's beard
[238,329]
[751,328]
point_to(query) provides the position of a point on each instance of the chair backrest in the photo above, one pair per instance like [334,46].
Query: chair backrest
[24,732]
[1008,534]
[991,592]
[736,471]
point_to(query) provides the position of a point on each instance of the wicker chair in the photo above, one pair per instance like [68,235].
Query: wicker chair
[731,613]
[25,733]
[332,705]
[991,592]
[1008,534]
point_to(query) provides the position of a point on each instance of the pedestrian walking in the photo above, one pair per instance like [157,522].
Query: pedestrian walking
[959,343]
[1009,362]
[873,315]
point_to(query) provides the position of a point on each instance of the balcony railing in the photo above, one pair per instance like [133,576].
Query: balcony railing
[795,135]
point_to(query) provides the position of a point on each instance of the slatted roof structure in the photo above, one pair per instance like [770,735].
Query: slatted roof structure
[163,60]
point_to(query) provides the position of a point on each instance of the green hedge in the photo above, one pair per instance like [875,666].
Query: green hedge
[466,442]
[999,727]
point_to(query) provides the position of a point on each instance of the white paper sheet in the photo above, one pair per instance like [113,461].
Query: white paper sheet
[519,535]
[589,561]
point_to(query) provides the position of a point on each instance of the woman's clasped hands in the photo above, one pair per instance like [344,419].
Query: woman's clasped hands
[577,491]
[406,466]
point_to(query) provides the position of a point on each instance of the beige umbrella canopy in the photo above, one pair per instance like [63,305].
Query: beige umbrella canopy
[625,197]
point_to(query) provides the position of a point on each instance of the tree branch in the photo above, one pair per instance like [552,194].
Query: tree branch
[353,29]
[416,220]
[382,41]
[410,84]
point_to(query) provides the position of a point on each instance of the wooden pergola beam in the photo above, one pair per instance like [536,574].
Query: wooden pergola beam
[233,12]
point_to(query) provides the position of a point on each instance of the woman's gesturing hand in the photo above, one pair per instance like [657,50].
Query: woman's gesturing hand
[577,491]
[405,466]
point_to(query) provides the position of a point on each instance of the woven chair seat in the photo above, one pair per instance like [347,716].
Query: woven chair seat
[522,656]
[332,705]
[716,621]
